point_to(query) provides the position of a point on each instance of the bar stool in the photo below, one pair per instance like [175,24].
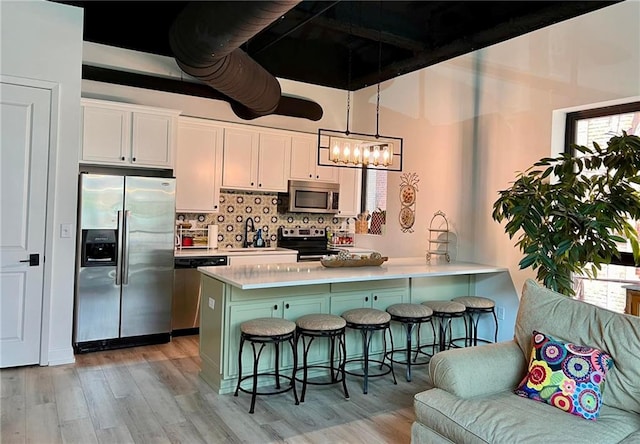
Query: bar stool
[444,312]
[476,306]
[368,321]
[265,331]
[410,315]
[314,326]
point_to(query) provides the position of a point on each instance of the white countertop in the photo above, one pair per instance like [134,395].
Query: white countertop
[204,252]
[249,277]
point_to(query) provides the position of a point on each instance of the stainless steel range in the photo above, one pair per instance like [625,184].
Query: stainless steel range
[311,243]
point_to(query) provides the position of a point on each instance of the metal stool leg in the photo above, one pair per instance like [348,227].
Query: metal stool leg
[409,326]
[294,351]
[256,360]
[239,366]
[343,363]
[384,338]
[366,340]
[305,354]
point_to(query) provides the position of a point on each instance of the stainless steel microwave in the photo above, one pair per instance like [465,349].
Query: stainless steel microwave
[310,197]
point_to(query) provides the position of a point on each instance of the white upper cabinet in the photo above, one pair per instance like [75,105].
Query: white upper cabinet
[255,160]
[198,168]
[127,135]
[350,192]
[304,160]
[240,158]
[274,161]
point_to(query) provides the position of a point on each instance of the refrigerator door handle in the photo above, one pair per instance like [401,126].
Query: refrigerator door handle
[119,250]
[125,251]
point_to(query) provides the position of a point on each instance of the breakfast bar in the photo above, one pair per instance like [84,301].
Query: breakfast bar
[234,294]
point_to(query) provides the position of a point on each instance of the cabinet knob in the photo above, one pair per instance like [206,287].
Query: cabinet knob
[275,307]
[375,298]
[134,159]
[286,306]
[310,175]
[122,158]
[318,177]
[259,184]
[366,299]
[251,183]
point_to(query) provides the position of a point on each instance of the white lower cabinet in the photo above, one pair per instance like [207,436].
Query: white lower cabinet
[198,164]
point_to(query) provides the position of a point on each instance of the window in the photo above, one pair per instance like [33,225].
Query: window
[374,198]
[584,128]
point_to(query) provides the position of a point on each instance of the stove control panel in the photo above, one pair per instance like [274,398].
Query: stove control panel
[302,232]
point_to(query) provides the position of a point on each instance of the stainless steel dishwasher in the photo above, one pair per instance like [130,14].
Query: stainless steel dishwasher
[185,313]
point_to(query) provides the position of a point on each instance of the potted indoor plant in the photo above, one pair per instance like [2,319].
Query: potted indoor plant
[572,224]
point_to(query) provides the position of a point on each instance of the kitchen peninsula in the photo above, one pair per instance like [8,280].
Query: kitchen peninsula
[232,295]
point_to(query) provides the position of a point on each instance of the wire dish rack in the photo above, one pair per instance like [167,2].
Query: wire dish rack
[438,237]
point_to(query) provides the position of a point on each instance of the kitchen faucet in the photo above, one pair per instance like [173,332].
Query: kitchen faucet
[247,231]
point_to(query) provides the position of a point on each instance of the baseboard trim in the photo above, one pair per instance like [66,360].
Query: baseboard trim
[61,356]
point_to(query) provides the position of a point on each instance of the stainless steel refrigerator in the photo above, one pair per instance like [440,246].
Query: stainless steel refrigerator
[124,276]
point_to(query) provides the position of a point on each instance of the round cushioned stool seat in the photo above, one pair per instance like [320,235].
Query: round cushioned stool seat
[267,327]
[447,307]
[366,316]
[475,302]
[321,322]
[409,310]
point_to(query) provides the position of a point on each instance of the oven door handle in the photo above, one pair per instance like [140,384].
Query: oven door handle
[310,257]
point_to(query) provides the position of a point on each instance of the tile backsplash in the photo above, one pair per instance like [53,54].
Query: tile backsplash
[237,206]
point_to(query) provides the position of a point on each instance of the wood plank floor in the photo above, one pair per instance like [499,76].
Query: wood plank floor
[154,394]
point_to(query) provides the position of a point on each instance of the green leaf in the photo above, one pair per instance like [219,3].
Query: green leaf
[574,224]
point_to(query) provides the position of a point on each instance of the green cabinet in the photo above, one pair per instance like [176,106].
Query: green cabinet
[284,308]
[392,292]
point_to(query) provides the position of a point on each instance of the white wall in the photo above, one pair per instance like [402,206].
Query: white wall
[43,40]
[469,124]
[332,100]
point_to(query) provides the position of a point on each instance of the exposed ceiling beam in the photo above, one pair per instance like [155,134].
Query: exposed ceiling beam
[368,33]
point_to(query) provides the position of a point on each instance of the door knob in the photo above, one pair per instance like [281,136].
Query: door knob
[34,260]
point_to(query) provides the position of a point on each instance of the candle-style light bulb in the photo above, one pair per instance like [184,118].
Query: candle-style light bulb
[366,155]
[385,156]
[335,153]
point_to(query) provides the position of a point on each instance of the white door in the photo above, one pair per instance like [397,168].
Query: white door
[24,148]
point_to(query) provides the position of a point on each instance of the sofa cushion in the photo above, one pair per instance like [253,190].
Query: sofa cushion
[581,323]
[565,375]
[507,418]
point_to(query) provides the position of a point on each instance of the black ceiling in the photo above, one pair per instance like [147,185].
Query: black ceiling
[317,41]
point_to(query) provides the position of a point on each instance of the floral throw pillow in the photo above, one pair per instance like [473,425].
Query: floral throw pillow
[566,376]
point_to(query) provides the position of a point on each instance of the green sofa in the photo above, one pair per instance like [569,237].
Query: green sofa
[472,399]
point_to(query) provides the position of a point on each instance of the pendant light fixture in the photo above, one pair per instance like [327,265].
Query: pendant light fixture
[357,150]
